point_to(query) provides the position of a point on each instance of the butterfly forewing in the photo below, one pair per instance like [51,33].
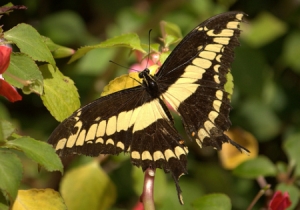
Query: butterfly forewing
[92,129]
[193,83]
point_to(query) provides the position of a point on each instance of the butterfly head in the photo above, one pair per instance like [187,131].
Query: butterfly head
[143,73]
[149,82]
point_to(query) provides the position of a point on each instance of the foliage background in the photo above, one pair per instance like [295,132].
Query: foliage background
[265,103]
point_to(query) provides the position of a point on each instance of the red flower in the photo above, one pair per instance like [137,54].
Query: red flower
[144,63]
[280,201]
[6,89]
[138,206]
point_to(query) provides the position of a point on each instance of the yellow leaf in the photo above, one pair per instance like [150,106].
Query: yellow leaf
[126,81]
[230,157]
[37,199]
[88,187]
[120,83]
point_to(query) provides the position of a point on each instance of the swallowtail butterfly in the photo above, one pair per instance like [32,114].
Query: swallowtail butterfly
[137,121]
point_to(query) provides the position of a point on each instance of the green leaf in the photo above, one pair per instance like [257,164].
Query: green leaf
[87,65]
[153,46]
[6,129]
[40,152]
[259,166]
[65,27]
[292,147]
[11,174]
[258,36]
[4,204]
[172,29]
[293,193]
[30,42]
[191,192]
[164,56]
[87,187]
[282,167]
[60,94]
[24,73]
[213,202]
[229,85]
[167,195]
[171,33]
[263,121]
[4,113]
[169,39]
[249,74]
[130,40]
[58,51]
[291,50]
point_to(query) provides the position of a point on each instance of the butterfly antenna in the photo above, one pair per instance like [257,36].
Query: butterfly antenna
[119,64]
[135,80]
[123,66]
[126,68]
[149,33]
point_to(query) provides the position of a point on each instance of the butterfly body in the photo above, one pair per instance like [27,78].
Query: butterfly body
[149,82]
[136,120]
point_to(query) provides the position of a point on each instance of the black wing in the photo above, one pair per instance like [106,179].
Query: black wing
[193,77]
[192,80]
[129,121]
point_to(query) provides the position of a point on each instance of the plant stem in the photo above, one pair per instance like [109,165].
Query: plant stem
[265,190]
[147,195]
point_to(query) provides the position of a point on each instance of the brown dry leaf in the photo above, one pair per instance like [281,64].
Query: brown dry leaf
[230,157]
[37,199]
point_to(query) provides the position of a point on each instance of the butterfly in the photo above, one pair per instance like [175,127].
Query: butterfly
[137,121]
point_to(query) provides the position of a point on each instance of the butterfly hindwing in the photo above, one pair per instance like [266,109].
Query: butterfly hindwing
[130,121]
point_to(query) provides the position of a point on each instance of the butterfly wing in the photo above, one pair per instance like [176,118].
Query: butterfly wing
[130,121]
[193,77]
[192,80]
